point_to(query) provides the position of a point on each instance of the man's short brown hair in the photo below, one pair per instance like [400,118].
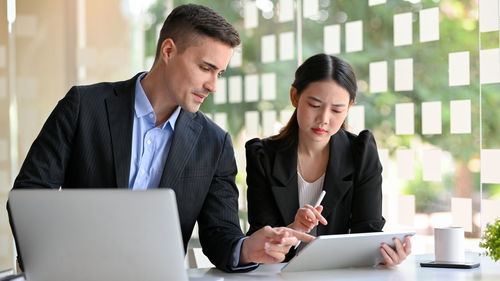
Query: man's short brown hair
[187,22]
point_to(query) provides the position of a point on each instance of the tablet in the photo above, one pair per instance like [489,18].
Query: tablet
[344,250]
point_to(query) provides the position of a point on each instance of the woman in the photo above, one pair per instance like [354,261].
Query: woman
[287,172]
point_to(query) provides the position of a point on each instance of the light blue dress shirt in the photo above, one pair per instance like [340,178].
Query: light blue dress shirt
[150,144]
[150,147]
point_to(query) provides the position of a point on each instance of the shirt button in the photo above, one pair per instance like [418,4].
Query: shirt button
[151,115]
[148,142]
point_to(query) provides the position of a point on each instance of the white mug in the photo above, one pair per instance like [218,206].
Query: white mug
[449,244]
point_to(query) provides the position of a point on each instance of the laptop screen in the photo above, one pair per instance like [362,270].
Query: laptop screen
[98,234]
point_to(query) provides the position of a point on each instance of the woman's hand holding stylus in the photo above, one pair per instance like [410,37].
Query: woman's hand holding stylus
[307,218]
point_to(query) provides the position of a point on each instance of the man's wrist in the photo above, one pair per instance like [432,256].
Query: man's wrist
[244,259]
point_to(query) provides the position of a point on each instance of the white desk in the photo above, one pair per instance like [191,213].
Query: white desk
[408,271]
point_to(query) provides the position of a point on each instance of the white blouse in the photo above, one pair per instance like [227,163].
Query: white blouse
[309,192]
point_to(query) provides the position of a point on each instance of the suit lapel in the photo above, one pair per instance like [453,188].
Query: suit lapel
[185,138]
[120,110]
[339,172]
[286,190]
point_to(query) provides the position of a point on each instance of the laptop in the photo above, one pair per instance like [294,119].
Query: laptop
[98,234]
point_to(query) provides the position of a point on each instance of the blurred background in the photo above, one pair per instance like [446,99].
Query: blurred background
[428,77]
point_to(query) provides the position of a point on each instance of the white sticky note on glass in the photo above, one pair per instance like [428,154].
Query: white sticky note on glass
[26,25]
[310,8]
[285,116]
[406,209]
[235,94]
[3,56]
[331,39]
[287,45]
[269,86]
[27,87]
[461,213]
[489,15]
[269,126]
[405,119]
[3,87]
[237,57]
[431,118]
[459,68]
[429,24]
[405,159]
[356,119]
[251,87]
[403,29]
[431,164]
[383,155]
[403,75]
[252,123]
[286,10]
[4,150]
[268,48]
[378,77]
[489,68]
[220,97]
[460,117]
[354,36]
[220,118]
[490,166]
[251,18]
[490,211]
[375,2]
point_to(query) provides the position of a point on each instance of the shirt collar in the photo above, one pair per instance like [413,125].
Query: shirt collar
[143,107]
[173,118]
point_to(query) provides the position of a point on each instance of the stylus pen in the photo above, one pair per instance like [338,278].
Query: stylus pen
[320,198]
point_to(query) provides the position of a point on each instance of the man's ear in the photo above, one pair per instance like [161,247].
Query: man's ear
[168,49]
[294,96]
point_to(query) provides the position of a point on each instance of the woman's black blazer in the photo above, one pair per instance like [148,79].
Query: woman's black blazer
[353,184]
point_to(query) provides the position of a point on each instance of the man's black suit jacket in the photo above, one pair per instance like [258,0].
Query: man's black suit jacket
[353,200]
[86,143]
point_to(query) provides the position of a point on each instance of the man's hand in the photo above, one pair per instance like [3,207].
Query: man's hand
[270,245]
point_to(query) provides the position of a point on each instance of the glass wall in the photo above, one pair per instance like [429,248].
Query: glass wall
[428,77]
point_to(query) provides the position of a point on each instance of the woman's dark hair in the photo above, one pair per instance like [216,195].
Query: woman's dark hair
[187,22]
[319,67]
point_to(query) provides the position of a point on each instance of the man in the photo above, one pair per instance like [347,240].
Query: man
[147,132]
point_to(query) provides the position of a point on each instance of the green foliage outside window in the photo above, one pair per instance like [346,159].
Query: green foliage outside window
[491,240]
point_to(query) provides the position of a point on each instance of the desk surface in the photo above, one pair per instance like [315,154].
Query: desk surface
[410,270]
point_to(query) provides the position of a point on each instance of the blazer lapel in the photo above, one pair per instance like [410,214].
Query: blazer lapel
[339,172]
[120,110]
[286,190]
[185,138]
